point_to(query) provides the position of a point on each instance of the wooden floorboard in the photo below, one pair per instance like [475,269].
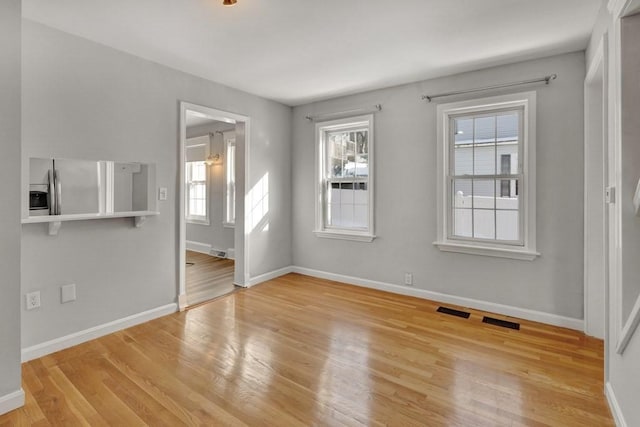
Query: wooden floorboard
[300,351]
[207,277]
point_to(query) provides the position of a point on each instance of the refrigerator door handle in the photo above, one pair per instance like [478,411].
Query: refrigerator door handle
[51,196]
[58,186]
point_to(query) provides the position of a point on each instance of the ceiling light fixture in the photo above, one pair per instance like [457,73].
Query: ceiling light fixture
[229,2]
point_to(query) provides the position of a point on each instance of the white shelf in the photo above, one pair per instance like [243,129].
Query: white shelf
[55,221]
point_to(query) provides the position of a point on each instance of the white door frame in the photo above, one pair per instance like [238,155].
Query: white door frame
[241,275]
[595,181]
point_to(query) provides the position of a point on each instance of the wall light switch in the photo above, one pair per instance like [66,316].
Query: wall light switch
[68,293]
[610,195]
[162,193]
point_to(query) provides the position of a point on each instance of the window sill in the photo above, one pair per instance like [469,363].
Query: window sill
[198,222]
[229,224]
[355,237]
[520,254]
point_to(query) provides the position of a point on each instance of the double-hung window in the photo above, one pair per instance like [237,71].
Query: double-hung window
[230,183]
[197,198]
[486,164]
[344,172]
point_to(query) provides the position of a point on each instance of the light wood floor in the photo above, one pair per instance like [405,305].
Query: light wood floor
[298,351]
[207,277]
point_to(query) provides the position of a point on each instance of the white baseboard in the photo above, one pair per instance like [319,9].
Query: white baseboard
[614,406]
[182,302]
[231,253]
[270,275]
[202,248]
[507,310]
[11,401]
[76,338]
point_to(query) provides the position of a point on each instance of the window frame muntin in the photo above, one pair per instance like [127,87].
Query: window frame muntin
[322,128]
[480,113]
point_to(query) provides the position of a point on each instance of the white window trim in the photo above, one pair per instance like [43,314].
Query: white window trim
[334,233]
[225,199]
[197,219]
[526,100]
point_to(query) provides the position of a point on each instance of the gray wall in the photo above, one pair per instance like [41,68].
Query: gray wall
[84,100]
[405,177]
[10,22]
[214,234]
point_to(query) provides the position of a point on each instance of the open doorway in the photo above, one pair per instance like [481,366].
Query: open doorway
[212,168]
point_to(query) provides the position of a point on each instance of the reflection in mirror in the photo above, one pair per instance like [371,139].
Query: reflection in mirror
[70,186]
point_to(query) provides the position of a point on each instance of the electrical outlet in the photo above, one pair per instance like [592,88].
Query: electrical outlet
[33,300]
[408,279]
[67,293]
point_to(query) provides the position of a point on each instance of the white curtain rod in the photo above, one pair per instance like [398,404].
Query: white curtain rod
[545,80]
[377,107]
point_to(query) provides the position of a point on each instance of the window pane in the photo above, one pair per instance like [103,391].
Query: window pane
[484,224]
[361,194]
[230,175]
[508,157]
[340,151]
[360,216]
[346,195]
[463,159]
[483,208]
[483,193]
[462,222]
[463,131]
[362,153]
[462,202]
[334,192]
[198,171]
[462,193]
[507,225]
[484,130]
[484,159]
[507,127]
[506,197]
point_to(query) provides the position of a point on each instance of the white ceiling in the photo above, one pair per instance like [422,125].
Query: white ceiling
[194,118]
[297,51]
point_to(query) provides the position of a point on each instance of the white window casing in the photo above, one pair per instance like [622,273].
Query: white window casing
[462,226]
[197,193]
[344,179]
[229,199]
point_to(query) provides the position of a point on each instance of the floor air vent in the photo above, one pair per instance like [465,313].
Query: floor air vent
[503,323]
[453,312]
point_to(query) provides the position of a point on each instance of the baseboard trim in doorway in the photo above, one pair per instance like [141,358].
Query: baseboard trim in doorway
[11,401]
[202,248]
[270,275]
[80,337]
[614,406]
[506,310]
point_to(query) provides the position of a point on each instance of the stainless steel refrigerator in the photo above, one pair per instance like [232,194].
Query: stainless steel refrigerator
[64,186]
